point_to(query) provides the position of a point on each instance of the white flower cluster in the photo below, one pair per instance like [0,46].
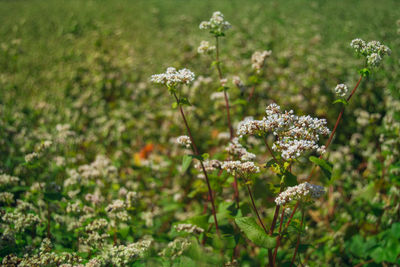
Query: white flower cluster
[258,59]
[44,258]
[238,82]
[217,24]
[96,236]
[239,167]
[209,165]
[189,228]
[294,134]
[31,156]
[305,192]
[175,248]
[117,211]
[236,149]
[8,180]
[205,47]
[124,255]
[374,51]
[101,167]
[341,90]
[249,126]
[184,140]
[173,77]
[17,221]
[6,197]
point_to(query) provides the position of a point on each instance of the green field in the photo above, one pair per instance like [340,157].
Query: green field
[82,126]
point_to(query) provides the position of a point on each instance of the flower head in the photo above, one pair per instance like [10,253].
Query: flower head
[341,90]
[294,134]
[173,77]
[305,192]
[242,168]
[217,24]
[205,47]
[236,149]
[373,51]
[258,59]
[184,140]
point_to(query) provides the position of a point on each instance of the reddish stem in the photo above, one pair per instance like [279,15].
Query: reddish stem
[291,215]
[298,240]
[251,93]
[196,152]
[255,209]
[278,240]
[330,138]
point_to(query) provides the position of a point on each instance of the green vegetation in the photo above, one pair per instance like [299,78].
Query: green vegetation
[90,169]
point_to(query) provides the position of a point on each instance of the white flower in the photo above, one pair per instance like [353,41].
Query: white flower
[240,167]
[172,77]
[223,81]
[258,59]
[205,47]
[374,59]
[209,165]
[341,90]
[184,140]
[236,149]
[189,228]
[217,24]
[374,51]
[305,192]
[358,45]
[30,157]
[294,134]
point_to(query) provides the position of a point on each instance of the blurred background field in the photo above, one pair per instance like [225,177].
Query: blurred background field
[77,73]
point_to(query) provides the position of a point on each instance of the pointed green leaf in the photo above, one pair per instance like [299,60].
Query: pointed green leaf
[343,101]
[325,166]
[186,162]
[255,233]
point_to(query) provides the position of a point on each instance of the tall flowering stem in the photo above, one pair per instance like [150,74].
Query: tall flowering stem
[225,94]
[196,152]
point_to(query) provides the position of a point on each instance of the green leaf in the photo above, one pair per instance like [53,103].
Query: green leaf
[205,156]
[186,162]
[365,72]
[239,102]
[174,105]
[255,233]
[214,63]
[254,79]
[184,101]
[199,157]
[325,166]
[341,100]
[222,88]
[289,179]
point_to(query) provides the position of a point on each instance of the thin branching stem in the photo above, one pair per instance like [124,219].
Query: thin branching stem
[298,239]
[278,240]
[255,209]
[196,152]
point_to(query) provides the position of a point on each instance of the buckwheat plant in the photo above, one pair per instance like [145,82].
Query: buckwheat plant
[217,26]
[173,79]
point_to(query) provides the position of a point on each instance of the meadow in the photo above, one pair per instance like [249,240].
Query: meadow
[199,133]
